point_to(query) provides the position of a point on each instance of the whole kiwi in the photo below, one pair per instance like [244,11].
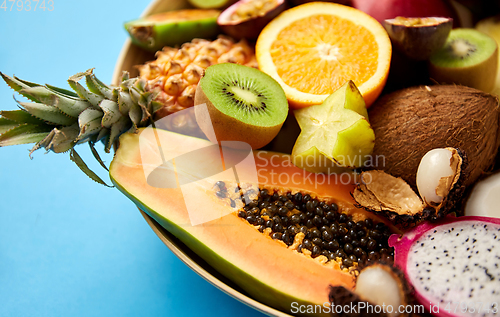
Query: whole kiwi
[410,122]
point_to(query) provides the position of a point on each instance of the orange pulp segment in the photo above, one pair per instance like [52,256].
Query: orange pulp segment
[314,49]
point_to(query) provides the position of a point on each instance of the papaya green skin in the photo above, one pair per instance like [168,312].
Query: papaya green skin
[170,33]
[255,288]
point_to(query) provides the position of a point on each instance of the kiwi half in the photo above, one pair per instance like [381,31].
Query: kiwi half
[242,104]
[468,58]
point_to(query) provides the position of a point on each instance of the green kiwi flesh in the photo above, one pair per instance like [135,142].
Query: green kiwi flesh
[244,104]
[469,58]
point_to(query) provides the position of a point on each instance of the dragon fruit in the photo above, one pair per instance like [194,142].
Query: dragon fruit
[453,265]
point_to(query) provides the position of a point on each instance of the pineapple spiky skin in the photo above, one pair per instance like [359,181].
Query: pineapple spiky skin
[58,119]
[175,73]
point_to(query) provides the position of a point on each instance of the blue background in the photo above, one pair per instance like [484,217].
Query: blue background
[68,246]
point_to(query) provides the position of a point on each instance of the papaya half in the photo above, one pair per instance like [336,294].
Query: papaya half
[282,234]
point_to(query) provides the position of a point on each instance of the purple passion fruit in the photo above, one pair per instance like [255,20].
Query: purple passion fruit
[418,38]
[246,18]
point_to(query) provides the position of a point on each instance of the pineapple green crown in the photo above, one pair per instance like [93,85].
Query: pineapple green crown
[58,119]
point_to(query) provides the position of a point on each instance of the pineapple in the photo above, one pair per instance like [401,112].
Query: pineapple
[176,72]
[58,119]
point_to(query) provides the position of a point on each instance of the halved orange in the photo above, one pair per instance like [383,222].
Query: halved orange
[315,48]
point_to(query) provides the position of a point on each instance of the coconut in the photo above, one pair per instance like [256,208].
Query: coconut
[410,122]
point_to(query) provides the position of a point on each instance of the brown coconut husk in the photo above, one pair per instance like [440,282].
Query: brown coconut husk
[410,122]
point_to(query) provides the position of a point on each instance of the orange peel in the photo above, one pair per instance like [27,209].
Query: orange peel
[314,49]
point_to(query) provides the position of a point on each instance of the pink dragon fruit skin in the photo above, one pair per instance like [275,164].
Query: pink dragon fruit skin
[459,258]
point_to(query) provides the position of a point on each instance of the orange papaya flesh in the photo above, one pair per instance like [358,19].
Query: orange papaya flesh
[206,221]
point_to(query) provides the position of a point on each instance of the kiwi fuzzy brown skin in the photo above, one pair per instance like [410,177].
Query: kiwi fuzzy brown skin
[286,137]
[227,128]
[239,103]
[410,122]
[484,80]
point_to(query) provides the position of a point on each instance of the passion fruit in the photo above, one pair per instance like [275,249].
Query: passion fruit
[389,9]
[418,38]
[246,18]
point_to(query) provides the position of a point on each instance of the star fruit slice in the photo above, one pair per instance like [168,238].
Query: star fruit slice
[336,134]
